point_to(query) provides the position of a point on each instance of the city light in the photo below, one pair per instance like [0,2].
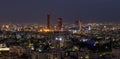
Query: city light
[59,38]
[46,30]
[4,49]
[67,36]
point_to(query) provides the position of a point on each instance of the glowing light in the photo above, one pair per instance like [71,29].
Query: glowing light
[75,31]
[81,57]
[89,28]
[40,50]
[87,56]
[60,38]
[4,49]
[105,26]
[40,30]
[7,26]
[32,48]
[56,38]
[84,40]
[96,43]
[46,30]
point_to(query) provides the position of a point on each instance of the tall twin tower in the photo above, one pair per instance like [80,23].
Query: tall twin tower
[59,22]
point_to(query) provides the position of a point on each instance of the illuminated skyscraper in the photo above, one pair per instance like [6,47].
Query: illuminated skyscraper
[59,23]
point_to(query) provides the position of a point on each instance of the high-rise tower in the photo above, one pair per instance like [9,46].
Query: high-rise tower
[59,23]
[48,21]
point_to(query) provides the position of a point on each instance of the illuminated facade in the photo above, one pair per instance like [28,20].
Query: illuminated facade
[59,23]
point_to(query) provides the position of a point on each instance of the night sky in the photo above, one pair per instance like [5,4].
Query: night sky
[35,11]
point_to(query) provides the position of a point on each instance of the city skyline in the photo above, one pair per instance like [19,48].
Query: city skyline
[59,29]
[30,11]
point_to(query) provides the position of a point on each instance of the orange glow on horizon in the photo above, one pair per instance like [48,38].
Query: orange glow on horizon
[46,30]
